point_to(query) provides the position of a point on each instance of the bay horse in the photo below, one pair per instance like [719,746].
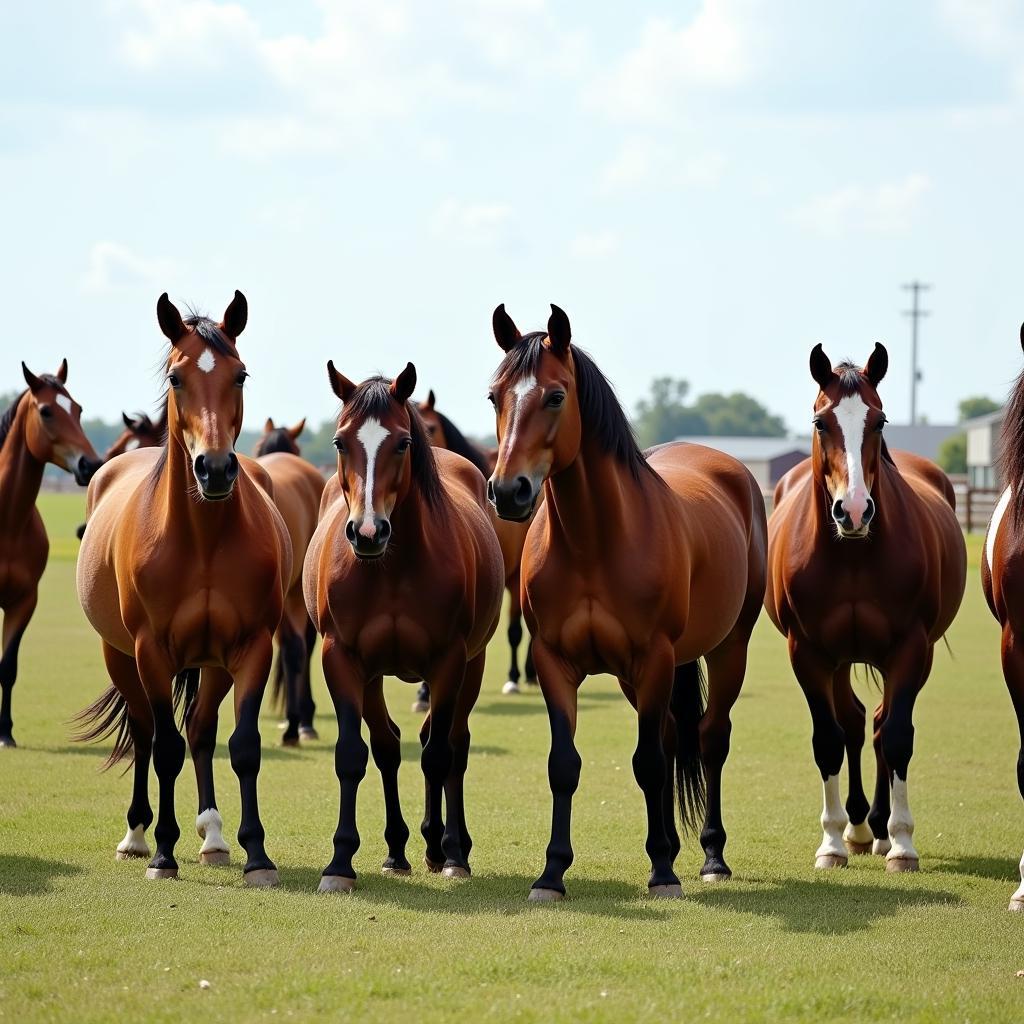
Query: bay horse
[867,564]
[298,487]
[185,565]
[403,577]
[511,536]
[1002,572]
[43,425]
[637,564]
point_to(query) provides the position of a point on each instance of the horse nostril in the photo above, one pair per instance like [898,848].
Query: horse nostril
[384,530]
[838,512]
[490,491]
[524,490]
[200,467]
[350,531]
[232,471]
[869,511]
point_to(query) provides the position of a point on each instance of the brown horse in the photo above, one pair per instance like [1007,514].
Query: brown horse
[867,564]
[399,521]
[511,536]
[636,565]
[298,487]
[42,425]
[140,431]
[185,564]
[1002,572]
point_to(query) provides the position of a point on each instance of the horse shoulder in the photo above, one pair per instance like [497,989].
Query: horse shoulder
[459,471]
[918,471]
[257,473]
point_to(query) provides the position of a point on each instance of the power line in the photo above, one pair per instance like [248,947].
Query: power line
[915,314]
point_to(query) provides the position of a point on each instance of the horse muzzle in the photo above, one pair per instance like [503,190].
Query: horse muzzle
[85,469]
[368,540]
[216,474]
[848,526]
[513,499]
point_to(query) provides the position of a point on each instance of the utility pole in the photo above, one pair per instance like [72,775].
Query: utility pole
[915,314]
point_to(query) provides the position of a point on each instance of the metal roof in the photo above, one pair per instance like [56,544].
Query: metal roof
[753,449]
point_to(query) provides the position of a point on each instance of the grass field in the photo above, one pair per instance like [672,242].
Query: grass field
[85,938]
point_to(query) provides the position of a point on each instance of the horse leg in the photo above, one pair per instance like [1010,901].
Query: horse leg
[249,671]
[386,747]
[1013,672]
[878,816]
[515,633]
[307,708]
[446,679]
[850,712]
[559,684]
[16,619]
[457,842]
[201,730]
[529,669]
[815,676]
[906,672]
[124,674]
[291,652]
[350,756]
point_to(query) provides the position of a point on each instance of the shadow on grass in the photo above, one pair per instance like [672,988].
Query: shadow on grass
[511,709]
[268,752]
[999,869]
[30,876]
[822,906]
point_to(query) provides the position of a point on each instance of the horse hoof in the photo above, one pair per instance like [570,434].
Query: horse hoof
[289,741]
[435,867]
[154,873]
[132,854]
[511,687]
[829,860]
[261,878]
[1017,905]
[880,847]
[388,869]
[308,733]
[454,871]
[716,876]
[214,858]
[7,741]
[666,892]
[855,849]
[902,864]
[546,896]
[420,707]
[336,883]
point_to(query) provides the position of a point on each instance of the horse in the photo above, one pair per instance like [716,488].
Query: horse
[185,565]
[140,431]
[401,520]
[867,564]
[298,487]
[43,425]
[511,536]
[1002,572]
[637,564]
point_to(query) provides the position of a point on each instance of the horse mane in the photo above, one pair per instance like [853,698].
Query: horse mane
[210,332]
[1011,447]
[461,445]
[373,398]
[602,415]
[7,420]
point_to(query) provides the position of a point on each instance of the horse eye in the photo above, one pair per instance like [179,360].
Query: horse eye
[555,401]
[490,398]
[404,445]
[240,379]
[339,444]
[46,411]
[819,424]
[174,380]
[879,425]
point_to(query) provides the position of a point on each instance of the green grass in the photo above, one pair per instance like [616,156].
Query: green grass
[85,938]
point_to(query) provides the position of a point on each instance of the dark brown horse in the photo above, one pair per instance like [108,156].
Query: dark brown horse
[511,536]
[867,564]
[636,565]
[403,577]
[298,487]
[185,565]
[42,425]
[1002,573]
[140,431]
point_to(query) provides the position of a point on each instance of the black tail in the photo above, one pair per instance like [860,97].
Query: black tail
[687,705]
[870,674]
[186,686]
[107,716]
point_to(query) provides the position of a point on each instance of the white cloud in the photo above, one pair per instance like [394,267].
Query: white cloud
[642,162]
[994,28]
[885,209]
[593,245]
[471,223]
[112,267]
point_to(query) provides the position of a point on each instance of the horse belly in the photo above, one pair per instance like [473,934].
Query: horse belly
[858,632]
[395,645]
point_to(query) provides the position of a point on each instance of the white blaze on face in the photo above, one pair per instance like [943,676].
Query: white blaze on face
[520,390]
[206,362]
[65,403]
[851,415]
[371,436]
[993,527]
[210,427]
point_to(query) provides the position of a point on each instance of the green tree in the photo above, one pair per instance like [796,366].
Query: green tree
[953,453]
[976,405]
[739,415]
[665,415]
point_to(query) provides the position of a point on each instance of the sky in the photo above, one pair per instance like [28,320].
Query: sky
[707,188]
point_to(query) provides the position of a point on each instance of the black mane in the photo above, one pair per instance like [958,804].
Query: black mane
[373,398]
[1011,447]
[211,333]
[850,377]
[7,420]
[602,416]
[461,445]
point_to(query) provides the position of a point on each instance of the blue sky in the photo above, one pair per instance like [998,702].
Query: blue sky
[707,188]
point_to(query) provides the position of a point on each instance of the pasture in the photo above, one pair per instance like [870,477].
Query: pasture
[85,938]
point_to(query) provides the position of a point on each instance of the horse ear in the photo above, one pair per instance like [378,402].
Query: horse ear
[431,400]
[821,367]
[169,318]
[340,384]
[298,428]
[236,315]
[33,382]
[404,384]
[128,421]
[268,426]
[62,371]
[1022,335]
[506,334]
[559,331]
[877,364]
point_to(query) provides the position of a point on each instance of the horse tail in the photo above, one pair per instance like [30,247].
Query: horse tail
[687,706]
[107,716]
[186,686]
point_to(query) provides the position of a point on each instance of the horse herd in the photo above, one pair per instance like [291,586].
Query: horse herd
[640,564]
